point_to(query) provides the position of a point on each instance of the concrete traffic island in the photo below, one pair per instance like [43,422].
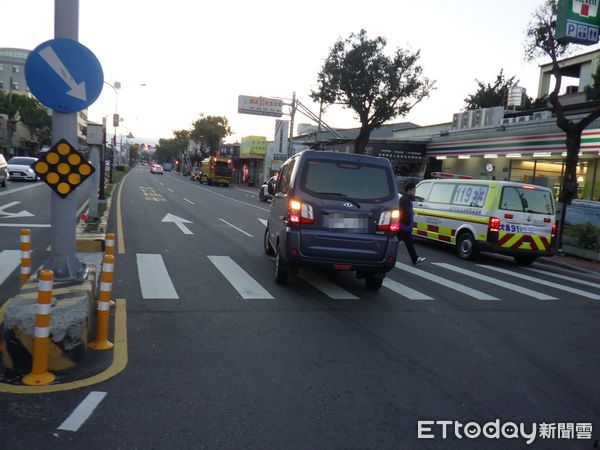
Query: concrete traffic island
[71,312]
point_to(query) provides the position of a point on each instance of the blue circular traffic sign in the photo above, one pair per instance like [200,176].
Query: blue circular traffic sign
[64,75]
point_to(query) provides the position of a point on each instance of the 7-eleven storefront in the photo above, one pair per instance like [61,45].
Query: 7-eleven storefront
[535,159]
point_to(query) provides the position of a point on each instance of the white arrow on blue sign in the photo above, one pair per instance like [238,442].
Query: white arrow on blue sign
[64,75]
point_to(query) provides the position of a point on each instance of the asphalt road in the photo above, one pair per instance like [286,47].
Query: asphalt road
[222,357]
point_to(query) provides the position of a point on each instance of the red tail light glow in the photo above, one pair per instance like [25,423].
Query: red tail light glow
[299,212]
[553,230]
[525,186]
[494,224]
[389,221]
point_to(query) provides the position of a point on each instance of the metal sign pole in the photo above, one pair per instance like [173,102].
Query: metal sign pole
[63,260]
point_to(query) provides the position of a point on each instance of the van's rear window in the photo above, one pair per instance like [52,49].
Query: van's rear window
[358,181]
[538,201]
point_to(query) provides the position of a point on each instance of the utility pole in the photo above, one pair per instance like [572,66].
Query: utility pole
[292,114]
[10,119]
[63,260]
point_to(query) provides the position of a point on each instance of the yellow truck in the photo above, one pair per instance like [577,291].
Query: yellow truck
[216,171]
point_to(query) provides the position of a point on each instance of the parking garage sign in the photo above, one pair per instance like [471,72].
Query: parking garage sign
[578,22]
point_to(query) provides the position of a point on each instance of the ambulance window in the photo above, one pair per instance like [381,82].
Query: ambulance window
[470,195]
[422,191]
[536,201]
[441,192]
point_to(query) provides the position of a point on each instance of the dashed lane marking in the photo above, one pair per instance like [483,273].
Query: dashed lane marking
[241,281]
[189,201]
[263,221]
[235,228]
[497,282]
[447,283]
[561,287]
[83,411]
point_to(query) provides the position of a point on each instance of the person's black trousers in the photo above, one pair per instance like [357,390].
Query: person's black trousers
[406,236]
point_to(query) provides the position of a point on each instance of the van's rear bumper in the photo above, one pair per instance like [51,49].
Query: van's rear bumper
[295,258]
[489,247]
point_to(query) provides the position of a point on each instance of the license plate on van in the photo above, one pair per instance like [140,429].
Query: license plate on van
[524,229]
[336,221]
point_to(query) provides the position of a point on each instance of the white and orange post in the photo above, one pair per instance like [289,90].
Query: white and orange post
[109,244]
[25,255]
[101,342]
[41,341]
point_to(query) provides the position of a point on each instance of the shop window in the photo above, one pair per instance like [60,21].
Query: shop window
[548,173]
[522,171]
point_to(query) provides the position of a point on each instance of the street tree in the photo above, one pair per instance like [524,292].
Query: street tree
[209,131]
[182,138]
[359,75]
[592,92]
[36,119]
[541,41]
[490,95]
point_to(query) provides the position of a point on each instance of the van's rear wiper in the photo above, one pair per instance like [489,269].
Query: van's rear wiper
[339,194]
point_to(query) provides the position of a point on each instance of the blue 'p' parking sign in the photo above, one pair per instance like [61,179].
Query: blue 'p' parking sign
[64,75]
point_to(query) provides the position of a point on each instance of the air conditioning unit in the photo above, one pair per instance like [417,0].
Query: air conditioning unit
[506,120]
[521,119]
[457,121]
[478,117]
[542,115]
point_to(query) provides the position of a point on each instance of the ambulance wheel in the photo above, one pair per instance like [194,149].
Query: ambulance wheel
[467,246]
[525,260]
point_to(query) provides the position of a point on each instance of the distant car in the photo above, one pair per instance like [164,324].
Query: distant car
[195,174]
[167,167]
[3,171]
[264,195]
[156,168]
[19,168]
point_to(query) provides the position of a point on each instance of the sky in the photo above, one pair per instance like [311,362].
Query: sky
[196,57]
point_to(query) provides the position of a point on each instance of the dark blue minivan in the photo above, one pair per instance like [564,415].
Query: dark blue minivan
[335,211]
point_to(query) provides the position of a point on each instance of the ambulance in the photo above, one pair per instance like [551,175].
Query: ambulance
[509,218]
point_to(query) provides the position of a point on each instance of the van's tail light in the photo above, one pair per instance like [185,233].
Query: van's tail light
[299,212]
[553,230]
[493,230]
[389,221]
[494,225]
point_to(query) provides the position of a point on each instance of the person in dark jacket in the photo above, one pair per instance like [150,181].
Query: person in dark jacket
[406,222]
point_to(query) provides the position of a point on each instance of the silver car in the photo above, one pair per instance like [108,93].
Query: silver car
[19,168]
[3,171]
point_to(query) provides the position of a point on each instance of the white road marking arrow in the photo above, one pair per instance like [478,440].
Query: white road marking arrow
[179,222]
[10,215]
[77,89]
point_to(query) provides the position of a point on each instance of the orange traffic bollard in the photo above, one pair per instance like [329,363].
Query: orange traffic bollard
[25,255]
[39,367]
[101,342]
[109,244]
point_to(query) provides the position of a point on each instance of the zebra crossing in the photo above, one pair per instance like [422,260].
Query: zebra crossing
[406,282]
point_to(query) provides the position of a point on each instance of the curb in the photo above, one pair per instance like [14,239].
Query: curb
[550,262]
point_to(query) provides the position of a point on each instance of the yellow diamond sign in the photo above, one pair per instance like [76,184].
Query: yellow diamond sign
[63,168]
